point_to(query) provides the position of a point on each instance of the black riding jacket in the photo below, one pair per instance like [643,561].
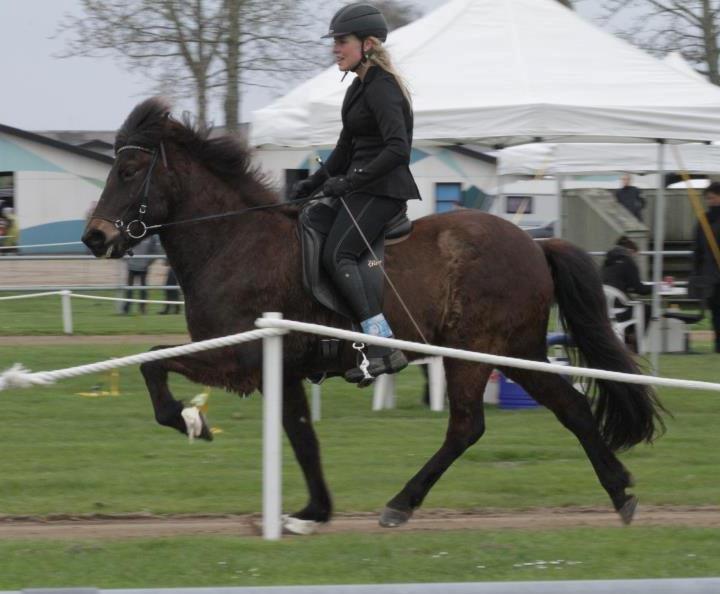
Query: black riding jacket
[373,150]
[620,271]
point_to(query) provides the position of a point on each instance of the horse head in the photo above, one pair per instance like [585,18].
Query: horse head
[137,187]
[161,162]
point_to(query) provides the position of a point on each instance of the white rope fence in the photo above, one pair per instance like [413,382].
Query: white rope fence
[99,298]
[494,360]
[39,245]
[19,377]
[96,297]
[65,299]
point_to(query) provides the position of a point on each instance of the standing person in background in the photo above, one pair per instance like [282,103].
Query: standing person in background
[11,230]
[630,197]
[137,268]
[170,294]
[706,274]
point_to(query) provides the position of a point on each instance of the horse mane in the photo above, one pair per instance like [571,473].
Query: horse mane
[228,156]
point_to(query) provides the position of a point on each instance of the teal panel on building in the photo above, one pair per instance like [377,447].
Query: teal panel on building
[16,158]
[449,160]
[418,155]
[58,232]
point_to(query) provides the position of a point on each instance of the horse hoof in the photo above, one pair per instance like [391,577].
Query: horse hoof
[627,511]
[205,432]
[392,518]
[293,525]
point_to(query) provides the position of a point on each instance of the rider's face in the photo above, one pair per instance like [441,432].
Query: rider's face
[347,50]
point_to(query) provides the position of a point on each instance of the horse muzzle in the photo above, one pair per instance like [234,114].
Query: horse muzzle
[104,240]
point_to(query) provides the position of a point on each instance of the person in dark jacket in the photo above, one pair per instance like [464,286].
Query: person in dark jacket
[704,264]
[630,197]
[368,171]
[620,270]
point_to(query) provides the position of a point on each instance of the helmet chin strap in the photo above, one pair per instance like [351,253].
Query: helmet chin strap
[365,57]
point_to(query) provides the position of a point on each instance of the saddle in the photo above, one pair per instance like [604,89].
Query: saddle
[315,221]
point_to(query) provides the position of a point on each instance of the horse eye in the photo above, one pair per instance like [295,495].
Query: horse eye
[127,174]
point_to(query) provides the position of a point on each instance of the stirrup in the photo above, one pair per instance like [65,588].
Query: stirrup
[364,374]
[361,370]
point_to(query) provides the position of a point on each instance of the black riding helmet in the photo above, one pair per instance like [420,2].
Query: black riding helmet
[361,19]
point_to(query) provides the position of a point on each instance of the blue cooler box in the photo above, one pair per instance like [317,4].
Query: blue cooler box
[513,396]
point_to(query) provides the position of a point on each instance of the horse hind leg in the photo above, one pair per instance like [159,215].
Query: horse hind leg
[466,386]
[573,410]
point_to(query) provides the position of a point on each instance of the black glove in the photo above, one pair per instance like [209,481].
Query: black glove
[302,189]
[337,186]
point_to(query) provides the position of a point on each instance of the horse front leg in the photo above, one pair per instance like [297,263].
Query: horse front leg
[298,427]
[168,411]
[465,385]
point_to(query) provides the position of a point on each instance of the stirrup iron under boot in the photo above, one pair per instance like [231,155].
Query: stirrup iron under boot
[380,360]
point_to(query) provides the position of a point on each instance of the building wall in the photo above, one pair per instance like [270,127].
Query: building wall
[429,166]
[54,189]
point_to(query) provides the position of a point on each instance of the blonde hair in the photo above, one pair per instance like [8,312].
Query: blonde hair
[379,56]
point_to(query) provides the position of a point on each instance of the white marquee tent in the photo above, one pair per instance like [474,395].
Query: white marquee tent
[588,158]
[508,72]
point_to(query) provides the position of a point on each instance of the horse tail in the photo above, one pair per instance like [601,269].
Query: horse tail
[626,414]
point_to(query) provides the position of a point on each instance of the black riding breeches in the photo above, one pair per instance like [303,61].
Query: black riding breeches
[344,246]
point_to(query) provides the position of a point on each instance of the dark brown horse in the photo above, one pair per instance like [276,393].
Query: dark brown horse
[471,280]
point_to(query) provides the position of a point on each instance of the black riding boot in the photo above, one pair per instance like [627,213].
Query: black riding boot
[379,359]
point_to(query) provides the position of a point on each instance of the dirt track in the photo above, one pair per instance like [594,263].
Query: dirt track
[145,526]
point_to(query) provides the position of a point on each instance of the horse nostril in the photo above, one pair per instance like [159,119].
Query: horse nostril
[94,239]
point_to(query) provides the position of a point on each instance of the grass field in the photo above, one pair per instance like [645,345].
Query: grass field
[65,453]
[611,553]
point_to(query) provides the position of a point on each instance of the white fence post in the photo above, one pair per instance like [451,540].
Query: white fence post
[316,403]
[66,302]
[436,381]
[272,441]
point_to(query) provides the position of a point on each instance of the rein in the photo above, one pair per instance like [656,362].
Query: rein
[145,188]
[232,213]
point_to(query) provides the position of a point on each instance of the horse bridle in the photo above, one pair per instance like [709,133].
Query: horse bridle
[144,188]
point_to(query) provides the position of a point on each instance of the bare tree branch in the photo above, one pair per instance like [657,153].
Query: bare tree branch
[690,27]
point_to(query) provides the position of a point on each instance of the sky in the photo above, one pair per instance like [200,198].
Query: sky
[39,91]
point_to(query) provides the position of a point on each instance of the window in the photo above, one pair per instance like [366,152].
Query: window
[292,176]
[448,196]
[519,204]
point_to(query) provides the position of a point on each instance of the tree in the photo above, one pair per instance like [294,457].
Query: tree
[195,46]
[397,13]
[690,27]
[567,3]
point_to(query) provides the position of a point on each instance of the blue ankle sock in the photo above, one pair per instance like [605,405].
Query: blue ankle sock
[377,326]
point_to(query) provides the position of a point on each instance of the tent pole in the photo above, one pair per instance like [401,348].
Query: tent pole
[658,242]
[559,226]
[500,193]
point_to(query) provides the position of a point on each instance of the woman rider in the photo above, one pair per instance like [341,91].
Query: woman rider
[368,168]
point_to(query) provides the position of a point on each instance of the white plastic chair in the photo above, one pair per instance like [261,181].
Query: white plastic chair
[614,296]
[384,386]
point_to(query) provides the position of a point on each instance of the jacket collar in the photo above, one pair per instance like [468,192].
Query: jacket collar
[358,87]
